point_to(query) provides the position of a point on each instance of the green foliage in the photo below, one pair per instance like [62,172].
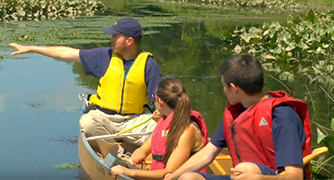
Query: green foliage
[66,166]
[301,46]
[35,10]
[277,4]
[293,46]
[322,167]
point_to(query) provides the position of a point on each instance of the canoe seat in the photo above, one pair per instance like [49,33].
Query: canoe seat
[223,162]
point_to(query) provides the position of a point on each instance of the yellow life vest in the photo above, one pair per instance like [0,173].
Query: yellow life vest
[120,92]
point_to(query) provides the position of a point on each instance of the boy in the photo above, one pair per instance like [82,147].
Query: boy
[265,132]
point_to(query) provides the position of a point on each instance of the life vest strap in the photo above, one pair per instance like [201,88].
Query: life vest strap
[107,111]
[158,157]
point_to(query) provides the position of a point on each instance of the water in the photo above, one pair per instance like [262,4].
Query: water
[39,118]
[39,107]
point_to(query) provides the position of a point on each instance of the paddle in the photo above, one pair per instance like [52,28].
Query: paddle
[111,136]
[126,130]
[316,152]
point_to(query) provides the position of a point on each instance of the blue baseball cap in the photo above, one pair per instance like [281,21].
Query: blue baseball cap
[127,26]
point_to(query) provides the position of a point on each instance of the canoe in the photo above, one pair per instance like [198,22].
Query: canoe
[95,167]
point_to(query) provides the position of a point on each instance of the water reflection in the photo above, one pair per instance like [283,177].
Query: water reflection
[40,116]
[2,103]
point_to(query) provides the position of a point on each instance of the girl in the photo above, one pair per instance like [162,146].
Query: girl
[180,133]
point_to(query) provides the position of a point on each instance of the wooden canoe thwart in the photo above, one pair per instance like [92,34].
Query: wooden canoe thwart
[222,164]
[95,167]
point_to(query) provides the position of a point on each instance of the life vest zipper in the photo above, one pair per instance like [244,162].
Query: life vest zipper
[122,99]
[125,76]
[235,142]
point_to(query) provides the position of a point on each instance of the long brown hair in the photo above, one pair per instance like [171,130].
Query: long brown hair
[172,92]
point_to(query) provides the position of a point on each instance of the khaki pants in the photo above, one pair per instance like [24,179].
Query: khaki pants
[95,123]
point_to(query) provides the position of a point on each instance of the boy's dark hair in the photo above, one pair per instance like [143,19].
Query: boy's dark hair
[243,70]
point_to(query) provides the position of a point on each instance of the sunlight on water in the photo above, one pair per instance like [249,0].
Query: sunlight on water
[2,103]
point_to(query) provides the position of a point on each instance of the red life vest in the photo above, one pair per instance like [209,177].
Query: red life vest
[159,138]
[255,141]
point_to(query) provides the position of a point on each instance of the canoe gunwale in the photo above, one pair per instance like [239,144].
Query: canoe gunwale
[97,159]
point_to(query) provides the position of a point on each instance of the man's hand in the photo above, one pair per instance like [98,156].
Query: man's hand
[57,52]
[21,49]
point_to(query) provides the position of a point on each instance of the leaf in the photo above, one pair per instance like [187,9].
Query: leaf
[254,32]
[275,26]
[302,45]
[245,37]
[290,47]
[321,135]
[21,13]
[287,76]
[266,32]
[286,37]
[319,50]
[268,56]
[276,50]
[332,124]
[237,49]
[310,16]
[325,46]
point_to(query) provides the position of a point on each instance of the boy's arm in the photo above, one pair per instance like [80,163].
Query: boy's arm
[292,172]
[57,52]
[197,162]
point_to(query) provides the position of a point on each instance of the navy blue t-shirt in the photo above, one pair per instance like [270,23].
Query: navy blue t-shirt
[96,62]
[288,136]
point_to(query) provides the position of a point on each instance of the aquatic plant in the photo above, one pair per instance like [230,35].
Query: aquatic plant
[300,46]
[322,167]
[35,10]
[290,48]
[277,4]
[66,166]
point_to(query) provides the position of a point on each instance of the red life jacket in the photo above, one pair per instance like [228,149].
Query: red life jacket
[255,141]
[159,138]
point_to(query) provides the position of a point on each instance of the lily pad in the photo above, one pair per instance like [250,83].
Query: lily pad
[66,166]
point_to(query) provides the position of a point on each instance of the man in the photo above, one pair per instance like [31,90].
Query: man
[265,132]
[127,80]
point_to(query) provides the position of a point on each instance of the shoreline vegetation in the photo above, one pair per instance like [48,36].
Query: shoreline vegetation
[301,44]
[37,10]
